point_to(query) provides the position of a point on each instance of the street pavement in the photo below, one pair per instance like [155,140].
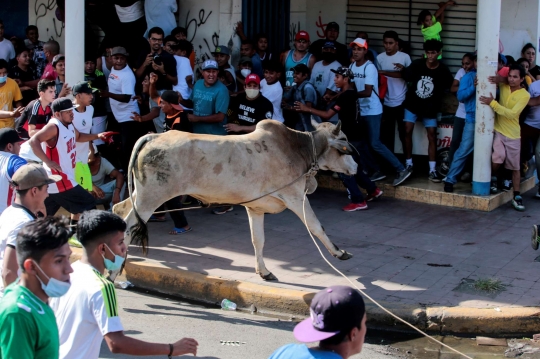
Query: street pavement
[162,320]
[404,252]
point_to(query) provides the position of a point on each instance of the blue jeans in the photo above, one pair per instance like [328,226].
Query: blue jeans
[373,124]
[359,179]
[464,150]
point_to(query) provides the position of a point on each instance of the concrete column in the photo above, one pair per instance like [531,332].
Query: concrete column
[74,41]
[487,37]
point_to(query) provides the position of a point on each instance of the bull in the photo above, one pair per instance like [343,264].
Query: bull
[265,171]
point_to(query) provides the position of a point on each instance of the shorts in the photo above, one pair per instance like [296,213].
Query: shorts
[75,200]
[83,175]
[506,150]
[411,117]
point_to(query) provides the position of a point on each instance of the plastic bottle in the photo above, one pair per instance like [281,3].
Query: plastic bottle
[228,305]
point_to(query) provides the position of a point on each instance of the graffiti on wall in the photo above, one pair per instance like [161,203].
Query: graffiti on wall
[201,34]
[45,16]
[294,28]
[320,27]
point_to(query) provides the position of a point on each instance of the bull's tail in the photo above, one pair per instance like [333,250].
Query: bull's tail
[139,231]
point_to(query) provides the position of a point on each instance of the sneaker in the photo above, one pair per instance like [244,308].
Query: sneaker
[435,177]
[402,176]
[448,187]
[377,176]
[517,203]
[494,188]
[74,242]
[534,237]
[222,210]
[507,185]
[351,207]
[537,195]
[376,194]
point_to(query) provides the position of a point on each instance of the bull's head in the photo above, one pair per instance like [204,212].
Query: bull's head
[337,157]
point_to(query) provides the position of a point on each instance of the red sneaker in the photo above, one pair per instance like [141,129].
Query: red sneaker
[351,207]
[376,194]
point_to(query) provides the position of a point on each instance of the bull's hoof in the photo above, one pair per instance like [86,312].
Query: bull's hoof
[269,276]
[346,255]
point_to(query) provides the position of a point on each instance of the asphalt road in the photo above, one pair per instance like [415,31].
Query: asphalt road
[159,319]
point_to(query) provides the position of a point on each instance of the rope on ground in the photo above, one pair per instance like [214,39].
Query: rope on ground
[367,296]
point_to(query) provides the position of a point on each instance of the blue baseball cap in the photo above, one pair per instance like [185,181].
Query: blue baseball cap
[209,65]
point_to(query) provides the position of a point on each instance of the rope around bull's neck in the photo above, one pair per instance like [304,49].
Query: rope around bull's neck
[367,296]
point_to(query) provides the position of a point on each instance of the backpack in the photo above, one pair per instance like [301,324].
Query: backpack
[383,82]
[321,104]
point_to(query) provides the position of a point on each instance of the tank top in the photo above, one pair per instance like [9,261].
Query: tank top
[65,154]
[290,63]
[6,191]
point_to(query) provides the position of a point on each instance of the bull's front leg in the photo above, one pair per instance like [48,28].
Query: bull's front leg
[256,225]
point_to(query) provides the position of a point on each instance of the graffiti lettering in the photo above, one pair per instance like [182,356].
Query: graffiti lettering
[206,46]
[320,27]
[42,8]
[293,29]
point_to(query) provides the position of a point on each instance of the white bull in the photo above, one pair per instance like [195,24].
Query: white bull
[265,171]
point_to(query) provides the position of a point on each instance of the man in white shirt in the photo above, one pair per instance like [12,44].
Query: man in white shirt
[88,312]
[322,77]
[7,51]
[82,121]
[30,182]
[366,79]
[271,87]
[10,162]
[393,110]
[182,50]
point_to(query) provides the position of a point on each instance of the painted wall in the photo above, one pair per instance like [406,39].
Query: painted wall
[42,14]
[519,25]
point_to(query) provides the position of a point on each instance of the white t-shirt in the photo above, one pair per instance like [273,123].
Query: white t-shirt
[160,13]
[7,51]
[122,82]
[397,88]
[367,74]
[183,70]
[274,93]
[87,312]
[322,78]
[11,222]
[130,13]
[461,113]
[83,124]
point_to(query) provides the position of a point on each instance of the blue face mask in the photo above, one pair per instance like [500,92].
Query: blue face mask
[54,287]
[118,261]
[3,79]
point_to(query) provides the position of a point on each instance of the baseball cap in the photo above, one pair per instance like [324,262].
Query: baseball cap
[32,175]
[57,58]
[343,71]
[62,104]
[332,310]
[119,50]
[172,98]
[332,25]
[253,78]
[302,68]
[7,136]
[83,87]
[359,42]
[302,35]
[209,65]
[221,50]
[245,59]
[329,45]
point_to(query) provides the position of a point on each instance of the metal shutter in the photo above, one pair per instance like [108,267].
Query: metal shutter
[375,17]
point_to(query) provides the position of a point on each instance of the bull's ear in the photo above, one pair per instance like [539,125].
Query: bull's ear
[337,129]
[342,146]
[314,123]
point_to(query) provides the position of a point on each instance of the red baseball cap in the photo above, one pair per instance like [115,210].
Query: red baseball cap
[302,35]
[253,78]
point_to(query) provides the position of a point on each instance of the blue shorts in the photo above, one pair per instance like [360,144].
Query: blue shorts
[411,117]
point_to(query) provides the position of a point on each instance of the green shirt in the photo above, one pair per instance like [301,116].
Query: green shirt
[27,326]
[433,32]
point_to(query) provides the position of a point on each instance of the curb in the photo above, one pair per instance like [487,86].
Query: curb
[509,321]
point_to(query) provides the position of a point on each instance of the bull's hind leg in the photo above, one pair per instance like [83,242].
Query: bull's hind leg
[311,221]
[256,224]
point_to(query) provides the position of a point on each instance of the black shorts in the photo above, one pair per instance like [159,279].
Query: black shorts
[75,200]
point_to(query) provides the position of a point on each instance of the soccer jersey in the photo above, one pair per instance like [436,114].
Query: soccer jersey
[86,313]
[27,326]
[64,153]
[83,124]
[9,163]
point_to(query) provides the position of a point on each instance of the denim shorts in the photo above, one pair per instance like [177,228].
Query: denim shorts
[411,117]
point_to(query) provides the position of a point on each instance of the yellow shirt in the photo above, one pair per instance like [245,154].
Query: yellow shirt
[9,93]
[508,110]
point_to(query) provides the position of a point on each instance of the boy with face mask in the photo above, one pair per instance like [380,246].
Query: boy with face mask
[89,310]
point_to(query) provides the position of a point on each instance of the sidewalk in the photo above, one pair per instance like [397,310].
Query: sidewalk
[409,254]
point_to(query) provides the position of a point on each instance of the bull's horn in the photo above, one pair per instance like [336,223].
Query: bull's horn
[314,122]
[337,129]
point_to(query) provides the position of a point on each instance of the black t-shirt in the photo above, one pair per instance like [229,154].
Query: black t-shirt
[170,68]
[98,82]
[342,54]
[178,122]
[425,94]
[348,112]
[25,76]
[245,112]
[33,114]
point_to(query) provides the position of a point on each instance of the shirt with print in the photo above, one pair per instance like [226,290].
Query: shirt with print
[122,82]
[9,93]
[33,114]
[508,109]
[427,88]
[82,121]
[533,116]
[347,109]
[9,164]
[87,312]
[322,77]
[209,101]
[27,326]
[178,122]
[301,351]
[397,87]
[39,56]
[367,74]
[246,112]
[17,73]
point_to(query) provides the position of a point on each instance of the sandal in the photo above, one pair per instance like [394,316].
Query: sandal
[154,218]
[176,231]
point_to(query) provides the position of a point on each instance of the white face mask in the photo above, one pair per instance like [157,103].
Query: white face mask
[252,93]
[245,72]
